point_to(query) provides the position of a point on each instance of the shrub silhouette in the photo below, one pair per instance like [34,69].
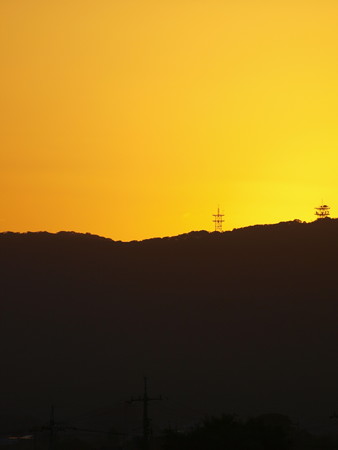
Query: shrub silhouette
[227,432]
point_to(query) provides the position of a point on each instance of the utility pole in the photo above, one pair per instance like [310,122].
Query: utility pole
[145,399]
[53,428]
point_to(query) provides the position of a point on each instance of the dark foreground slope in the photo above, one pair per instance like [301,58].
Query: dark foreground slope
[242,322]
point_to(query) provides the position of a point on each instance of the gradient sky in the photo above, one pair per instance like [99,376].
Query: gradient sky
[137,118]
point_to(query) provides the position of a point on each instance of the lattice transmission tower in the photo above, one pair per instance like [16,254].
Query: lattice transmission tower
[322,211]
[218,221]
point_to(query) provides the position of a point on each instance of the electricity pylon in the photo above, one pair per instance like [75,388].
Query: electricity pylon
[218,221]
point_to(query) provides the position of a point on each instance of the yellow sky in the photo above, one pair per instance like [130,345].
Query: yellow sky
[137,118]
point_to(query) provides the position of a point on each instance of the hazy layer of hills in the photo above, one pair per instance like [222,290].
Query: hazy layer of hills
[241,322]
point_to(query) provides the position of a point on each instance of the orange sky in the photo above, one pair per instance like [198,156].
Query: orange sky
[137,118]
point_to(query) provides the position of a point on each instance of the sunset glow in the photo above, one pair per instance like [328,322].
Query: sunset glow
[135,119]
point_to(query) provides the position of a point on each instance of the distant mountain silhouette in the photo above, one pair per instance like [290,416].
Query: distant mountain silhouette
[240,322]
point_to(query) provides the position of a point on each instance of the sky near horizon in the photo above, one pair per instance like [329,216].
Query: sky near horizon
[138,118]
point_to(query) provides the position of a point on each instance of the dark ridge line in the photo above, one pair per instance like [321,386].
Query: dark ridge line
[196,234]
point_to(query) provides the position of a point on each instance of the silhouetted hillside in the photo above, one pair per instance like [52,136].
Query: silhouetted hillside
[241,322]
